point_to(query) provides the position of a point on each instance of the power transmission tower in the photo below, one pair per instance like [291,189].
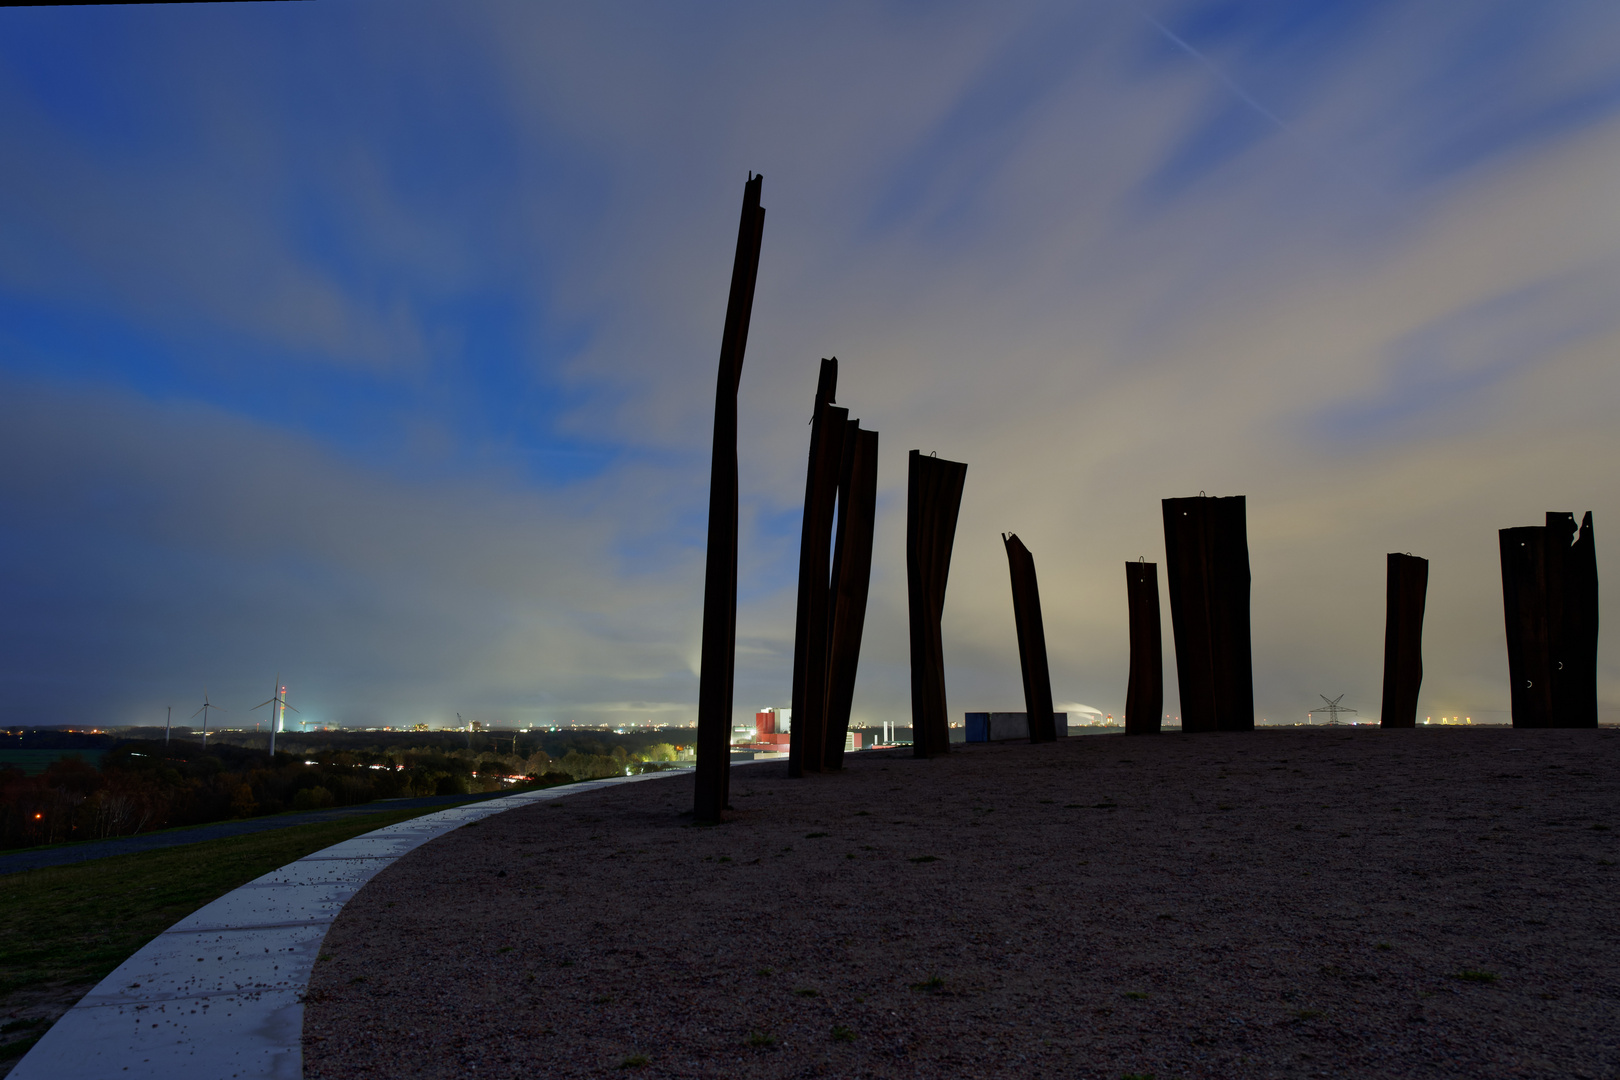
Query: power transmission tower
[1332,708]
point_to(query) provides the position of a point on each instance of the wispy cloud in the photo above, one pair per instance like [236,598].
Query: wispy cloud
[388,343]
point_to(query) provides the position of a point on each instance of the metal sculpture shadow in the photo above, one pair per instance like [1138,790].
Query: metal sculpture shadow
[933,500]
[1207,562]
[712,787]
[1405,591]
[842,477]
[1550,600]
[1031,640]
[1144,698]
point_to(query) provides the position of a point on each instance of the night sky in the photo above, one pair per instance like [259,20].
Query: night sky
[374,344]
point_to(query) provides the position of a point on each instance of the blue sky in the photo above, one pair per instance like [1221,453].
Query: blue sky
[373,343]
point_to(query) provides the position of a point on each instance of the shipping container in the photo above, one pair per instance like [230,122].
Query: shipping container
[1006,726]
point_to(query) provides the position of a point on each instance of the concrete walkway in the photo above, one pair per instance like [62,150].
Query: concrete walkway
[220,994]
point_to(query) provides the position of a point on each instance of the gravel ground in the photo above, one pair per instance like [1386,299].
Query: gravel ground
[1290,903]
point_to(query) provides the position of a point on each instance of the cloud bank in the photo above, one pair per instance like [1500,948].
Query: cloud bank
[379,351]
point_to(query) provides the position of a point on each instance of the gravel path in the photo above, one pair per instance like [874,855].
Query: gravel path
[1295,902]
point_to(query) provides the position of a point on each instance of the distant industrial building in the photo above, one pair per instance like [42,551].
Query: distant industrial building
[768,738]
[773,732]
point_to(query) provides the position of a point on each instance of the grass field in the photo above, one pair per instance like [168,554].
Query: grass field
[64,928]
[34,762]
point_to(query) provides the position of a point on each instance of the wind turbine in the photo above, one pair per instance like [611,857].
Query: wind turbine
[206,705]
[279,700]
[166,718]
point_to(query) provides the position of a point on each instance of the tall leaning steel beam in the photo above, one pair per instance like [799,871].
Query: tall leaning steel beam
[1524,608]
[1576,688]
[1144,697]
[713,779]
[1234,644]
[851,581]
[1207,563]
[1187,573]
[1549,601]
[1406,588]
[934,498]
[807,738]
[1031,640]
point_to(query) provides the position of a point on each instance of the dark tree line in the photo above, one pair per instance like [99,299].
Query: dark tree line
[145,784]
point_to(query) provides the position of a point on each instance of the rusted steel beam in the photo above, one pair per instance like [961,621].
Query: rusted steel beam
[852,578]
[713,780]
[1406,588]
[1031,640]
[1549,603]
[1524,607]
[934,498]
[1576,688]
[1144,698]
[1207,562]
[807,740]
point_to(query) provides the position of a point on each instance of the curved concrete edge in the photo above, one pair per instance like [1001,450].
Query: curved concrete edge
[220,993]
